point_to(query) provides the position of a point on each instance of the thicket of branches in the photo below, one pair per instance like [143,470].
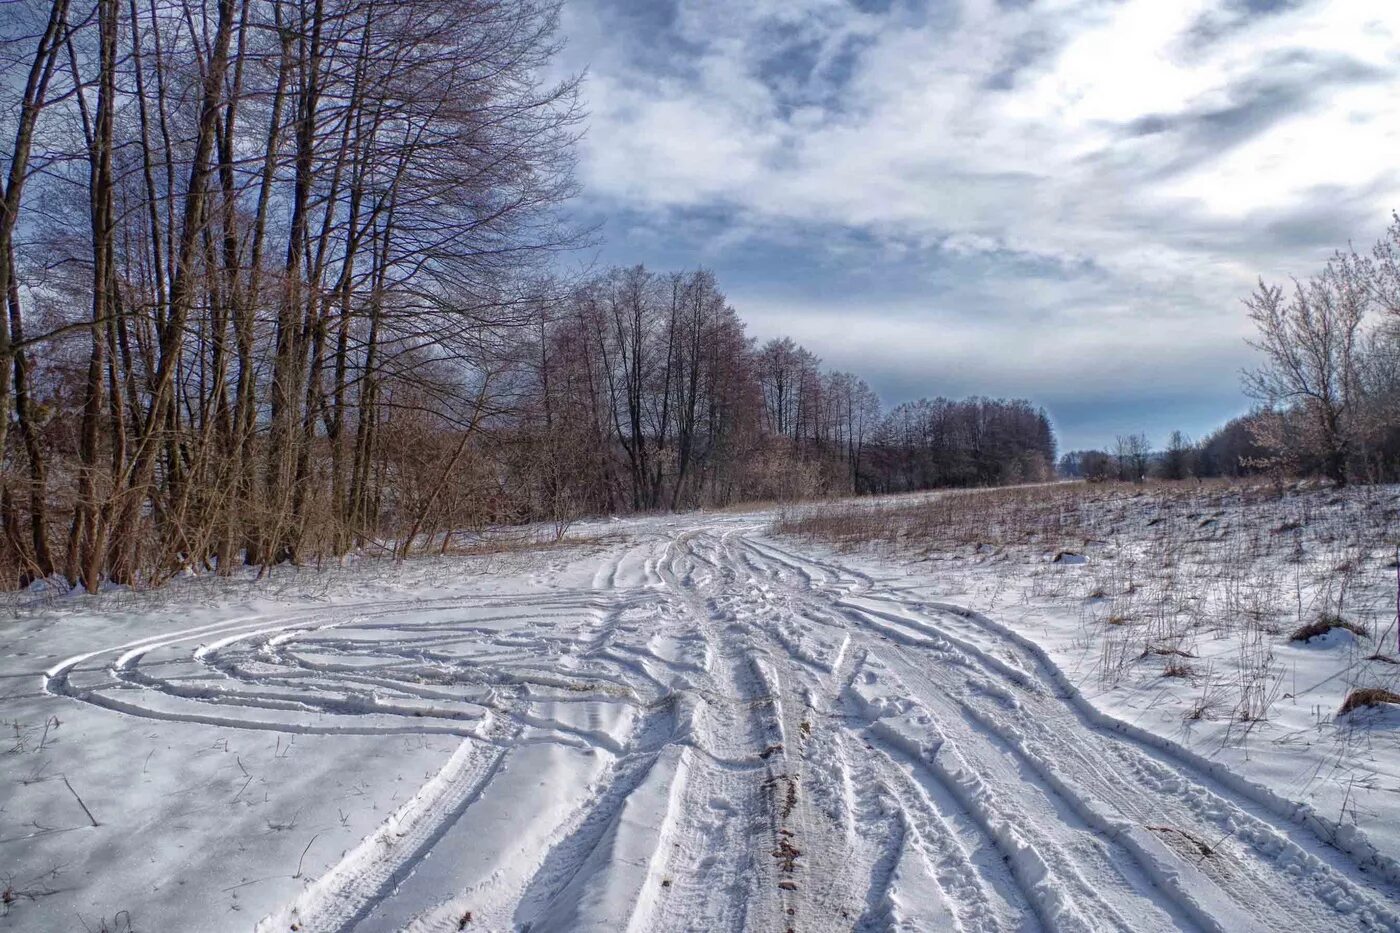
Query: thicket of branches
[262,261]
[1330,376]
[276,286]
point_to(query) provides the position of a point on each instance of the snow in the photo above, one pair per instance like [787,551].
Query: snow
[672,723]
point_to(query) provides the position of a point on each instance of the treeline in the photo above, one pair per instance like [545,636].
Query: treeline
[277,287]
[974,442]
[1328,385]
[643,391]
[1230,451]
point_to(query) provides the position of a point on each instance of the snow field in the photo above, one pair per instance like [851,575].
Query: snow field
[697,726]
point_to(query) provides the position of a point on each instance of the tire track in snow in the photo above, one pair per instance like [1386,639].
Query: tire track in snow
[369,873]
[577,869]
[756,781]
[848,874]
[359,671]
[810,819]
[1122,787]
[666,841]
[739,724]
[936,838]
[1328,896]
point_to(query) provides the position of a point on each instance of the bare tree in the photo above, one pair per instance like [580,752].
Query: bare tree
[1310,340]
[1131,452]
[1178,460]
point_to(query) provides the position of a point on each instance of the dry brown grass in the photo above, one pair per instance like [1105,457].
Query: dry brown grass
[1324,624]
[1056,516]
[1073,518]
[1368,696]
[511,543]
[956,518]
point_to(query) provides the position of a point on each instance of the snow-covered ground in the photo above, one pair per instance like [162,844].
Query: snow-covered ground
[677,723]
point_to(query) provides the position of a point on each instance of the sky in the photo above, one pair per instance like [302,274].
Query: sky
[1063,200]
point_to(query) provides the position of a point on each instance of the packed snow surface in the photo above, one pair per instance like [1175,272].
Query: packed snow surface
[680,724]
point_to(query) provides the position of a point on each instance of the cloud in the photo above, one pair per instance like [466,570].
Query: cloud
[1282,87]
[1235,16]
[1076,179]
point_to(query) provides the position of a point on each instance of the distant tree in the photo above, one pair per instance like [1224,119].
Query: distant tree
[1380,406]
[1131,453]
[1311,342]
[783,372]
[1179,459]
[972,442]
[1380,366]
[1097,466]
[1229,450]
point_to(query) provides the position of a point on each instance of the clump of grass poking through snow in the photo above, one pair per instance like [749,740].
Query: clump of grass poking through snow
[1368,696]
[1324,624]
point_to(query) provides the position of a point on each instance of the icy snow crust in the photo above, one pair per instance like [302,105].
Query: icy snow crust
[689,725]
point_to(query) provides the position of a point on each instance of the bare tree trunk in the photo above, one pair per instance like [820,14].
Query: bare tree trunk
[140,472]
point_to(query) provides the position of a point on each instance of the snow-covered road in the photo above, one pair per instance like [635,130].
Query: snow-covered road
[698,728]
